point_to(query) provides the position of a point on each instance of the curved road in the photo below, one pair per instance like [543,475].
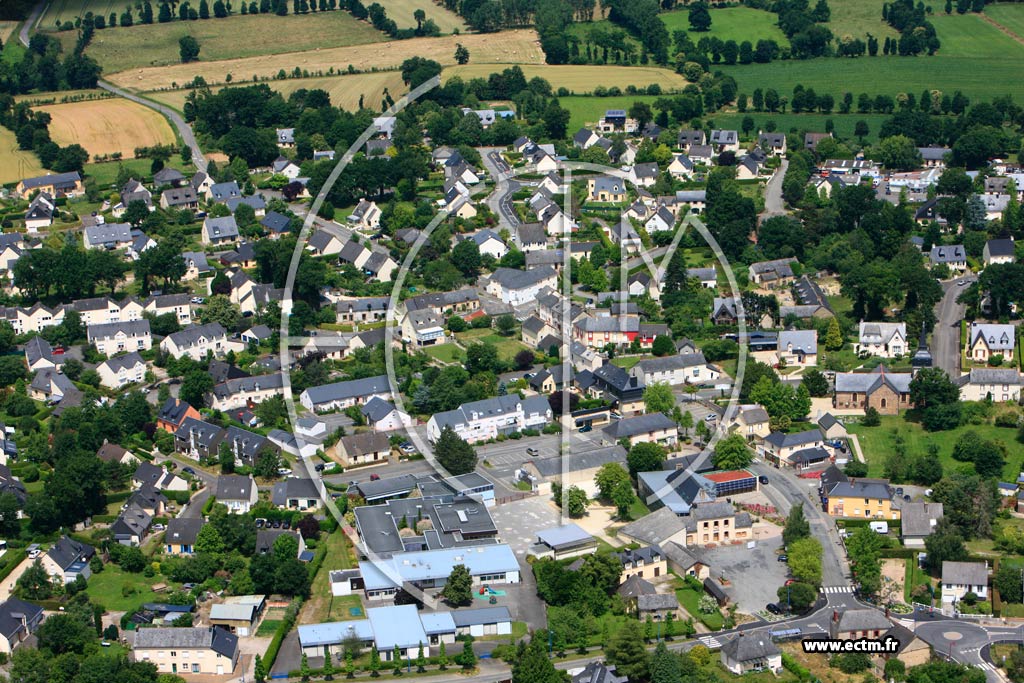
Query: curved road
[184,130]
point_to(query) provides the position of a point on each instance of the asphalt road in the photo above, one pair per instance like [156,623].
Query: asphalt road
[30,23]
[946,336]
[500,200]
[773,202]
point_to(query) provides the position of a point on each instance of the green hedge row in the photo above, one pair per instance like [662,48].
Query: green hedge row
[13,558]
[794,667]
[286,625]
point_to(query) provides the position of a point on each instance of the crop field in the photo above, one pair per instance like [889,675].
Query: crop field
[730,23]
[108,126]
[7,30]
[119,48]
[1010,16]
[60,11]
[580,79]
[507,47]
[858,18]
[16,164]
[844,123]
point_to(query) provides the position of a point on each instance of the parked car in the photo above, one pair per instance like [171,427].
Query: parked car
[260,522]
[763,479]
[586,428]
[320,466]
[773,608]
[374,477]
[899,490]
[189,470]
[783,558]
[531,451]
[711,417]
[158,527]
[407,448]
[283,471]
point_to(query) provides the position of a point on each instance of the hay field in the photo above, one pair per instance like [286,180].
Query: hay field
[7,30]
[234,37]
[108,126]
[401,11]
[344,90]
[579,79]
[507,47]
[16,164]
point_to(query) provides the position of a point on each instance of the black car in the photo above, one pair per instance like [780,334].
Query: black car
[320,467]
[189,470]
[773,608]
[783,558]
[763,479]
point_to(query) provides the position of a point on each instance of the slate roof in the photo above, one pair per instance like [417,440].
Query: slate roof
[348,389]
[217,639]
[950,254]
[513,279]
[183,530]
[964,573]
[996,337]
[746,648]
[108,234]
[222,227]
[14,614]
[804,341]
[275,222]
[68,551]
[56,179]
[1000,247]
[863,620]
[656,527]
[869,382]
[234,487]
[916,518]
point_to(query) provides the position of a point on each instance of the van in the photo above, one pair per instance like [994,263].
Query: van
[879,527]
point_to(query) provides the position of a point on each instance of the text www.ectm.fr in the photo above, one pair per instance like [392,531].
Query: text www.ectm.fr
[886,645]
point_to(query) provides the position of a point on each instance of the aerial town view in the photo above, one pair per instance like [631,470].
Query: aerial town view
[511,341]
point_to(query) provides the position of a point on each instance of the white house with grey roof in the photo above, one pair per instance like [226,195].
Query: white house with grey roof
[120,371]
[961,578]
[683,368]
[887,340]
[323,243]
[486,419]
[240,392]
[220,230]
[383,416]
[749,652]
[649,428]
[985,340]
[517,287]
[238,493]
[196,341]
[113,338]
[990,384]
[999,251]
[341,395]
[209,650]
[798,348]
[954,256]
[108,236]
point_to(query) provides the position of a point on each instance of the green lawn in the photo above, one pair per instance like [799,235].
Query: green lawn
[119,591]
[877,443]
[1011,16]
[106,173]
[690,599]
[587,110]
[268,627]
[802,123]
[730,23]
[627,362]
[858,18]
[446,353]
[323,606]
[507,346]
[914,577]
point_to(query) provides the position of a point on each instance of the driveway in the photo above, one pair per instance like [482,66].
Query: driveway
[740,565]
[7,587]
[774,205]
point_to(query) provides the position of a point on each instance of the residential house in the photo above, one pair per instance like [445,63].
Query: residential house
[911,649]
[662,220]
[687,138]
[363,448]
[811,140]
[865,498]
[298,493]
[221,192]
[236,492]
[120,371]
[779,448]
[772,274]
[40,212]
[68,559]
[486,419]
[366,216]
[647,562]
[724,311]
[990,384]
[209,650]
[173,413]
[181,534]
[489,243]
[196,341]
[18,621]
[148,474]
[616,385]
[772,143]
[684,368]
[197,439]
[517,287]
[887,392]
[118,337]
[54,184]
[917,521]
[888,340]
[645,175]
[701,154]
[961,578]
[725,141]
[754,652]
[341,395]
[179,199]
[285,137]
[284,166]
[716,523]
[598,672]
[953,256]
[985,340]
[681,167]
[750,420]
[111,452]
[649,428]
[798,348]
[246,392]
[999,251]
[853,624]
[423,328]
[606,189]
[277,224]
[131,526]
[585,138]
[52,386]
[383,416]
[169,176]
[218,231]
[196,265]
[532,237]
[39,354]
[107,236]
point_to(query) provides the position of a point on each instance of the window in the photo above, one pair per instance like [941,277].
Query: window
[173,653]
[195,668]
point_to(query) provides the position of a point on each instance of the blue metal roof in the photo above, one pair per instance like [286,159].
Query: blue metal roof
[335,632]
[398,625]
[563,536]
[436,564]
[437,622]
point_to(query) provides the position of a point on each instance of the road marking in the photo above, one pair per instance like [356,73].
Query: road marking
[837,589]
[710,642]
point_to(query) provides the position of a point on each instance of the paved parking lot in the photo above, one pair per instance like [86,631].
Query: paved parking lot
[738,564]
[518,522]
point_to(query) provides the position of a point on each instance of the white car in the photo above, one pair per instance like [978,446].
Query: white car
[283,471]
[158,527]
[197,299]
[33,554]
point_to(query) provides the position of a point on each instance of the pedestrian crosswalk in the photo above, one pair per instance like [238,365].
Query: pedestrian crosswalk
[710,642]
[987,667]
[837,589]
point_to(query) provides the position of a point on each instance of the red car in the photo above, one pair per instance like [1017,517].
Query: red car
[58,350]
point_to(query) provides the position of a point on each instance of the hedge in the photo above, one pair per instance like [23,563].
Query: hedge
[900,553]
[794,667]
[283,628]
[104,519]
[14,558]
[118,497]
